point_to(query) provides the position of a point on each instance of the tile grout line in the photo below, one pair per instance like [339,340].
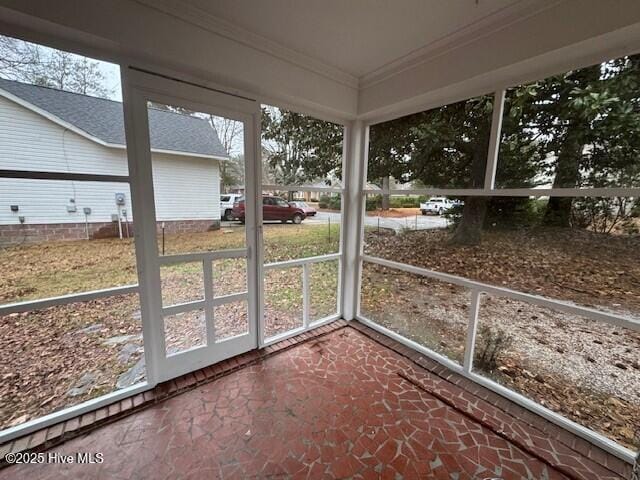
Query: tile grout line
[517,443]
[410,355]
[158,394]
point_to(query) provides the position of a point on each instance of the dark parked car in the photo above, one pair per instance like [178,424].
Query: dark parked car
[273,208]
[304,206]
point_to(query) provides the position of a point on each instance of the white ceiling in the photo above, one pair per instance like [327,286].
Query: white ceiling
[338,59]
[359,37]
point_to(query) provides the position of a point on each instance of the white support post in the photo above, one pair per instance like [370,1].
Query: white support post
[255,237]
[305,295]
[207,270]
[355,150]
[494,140]
[143,204]
[472,329]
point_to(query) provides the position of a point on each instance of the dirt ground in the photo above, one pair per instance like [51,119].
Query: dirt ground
[61,356]
[589,269]
[586,370]
[394,213]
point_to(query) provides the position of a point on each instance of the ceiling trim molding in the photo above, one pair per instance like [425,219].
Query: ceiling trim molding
[517,12]
[197,16]
[491,23]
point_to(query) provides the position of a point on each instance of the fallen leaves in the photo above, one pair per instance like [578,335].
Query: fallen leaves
[579,368]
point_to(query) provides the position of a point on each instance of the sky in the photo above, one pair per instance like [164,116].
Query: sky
[110,71]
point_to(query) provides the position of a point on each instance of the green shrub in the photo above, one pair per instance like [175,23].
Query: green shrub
[324,200]
[514,212]
[491,346]
[373,202]
[335,203]
[330,202]
[404,202]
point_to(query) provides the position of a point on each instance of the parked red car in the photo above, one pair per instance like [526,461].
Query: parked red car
[304,206]
[273,208]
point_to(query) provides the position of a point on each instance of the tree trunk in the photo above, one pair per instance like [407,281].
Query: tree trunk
[567,169]
[469,230]
[558,211]
[386,199]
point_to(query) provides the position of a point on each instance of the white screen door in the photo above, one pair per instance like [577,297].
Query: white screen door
[194,165]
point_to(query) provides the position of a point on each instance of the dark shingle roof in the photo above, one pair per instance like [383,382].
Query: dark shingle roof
[103,119]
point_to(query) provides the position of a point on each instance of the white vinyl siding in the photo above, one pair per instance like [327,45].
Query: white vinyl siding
[28,141]
[186,188]
[45,201]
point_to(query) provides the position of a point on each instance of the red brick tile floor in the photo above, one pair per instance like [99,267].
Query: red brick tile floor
[337,406]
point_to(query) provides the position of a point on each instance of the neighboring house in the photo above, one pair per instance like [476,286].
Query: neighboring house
[334,181]
[45,129]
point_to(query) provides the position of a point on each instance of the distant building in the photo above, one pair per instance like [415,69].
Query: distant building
[45,129]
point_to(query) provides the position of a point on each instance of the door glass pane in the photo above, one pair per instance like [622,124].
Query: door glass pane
[323,289]
[230,319]
[283,300]
[184,331]
[229,276]
[181,283]
[198,180]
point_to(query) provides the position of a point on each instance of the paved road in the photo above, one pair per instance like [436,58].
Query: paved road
[421,222]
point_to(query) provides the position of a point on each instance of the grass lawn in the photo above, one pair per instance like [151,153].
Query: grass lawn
[60,356]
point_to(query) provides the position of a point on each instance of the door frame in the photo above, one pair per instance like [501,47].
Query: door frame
[138,88]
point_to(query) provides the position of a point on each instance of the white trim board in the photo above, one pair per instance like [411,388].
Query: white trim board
[512,192]
[559,305]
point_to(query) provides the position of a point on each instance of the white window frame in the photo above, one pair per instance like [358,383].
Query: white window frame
[478,288]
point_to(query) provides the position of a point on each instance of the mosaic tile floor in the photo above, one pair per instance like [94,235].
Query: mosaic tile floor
[338,406]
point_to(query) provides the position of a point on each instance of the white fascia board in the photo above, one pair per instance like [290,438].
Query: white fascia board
[184,154]
[64,124]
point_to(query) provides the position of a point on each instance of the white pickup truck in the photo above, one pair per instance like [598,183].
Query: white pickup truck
[437,206]
[226,205]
